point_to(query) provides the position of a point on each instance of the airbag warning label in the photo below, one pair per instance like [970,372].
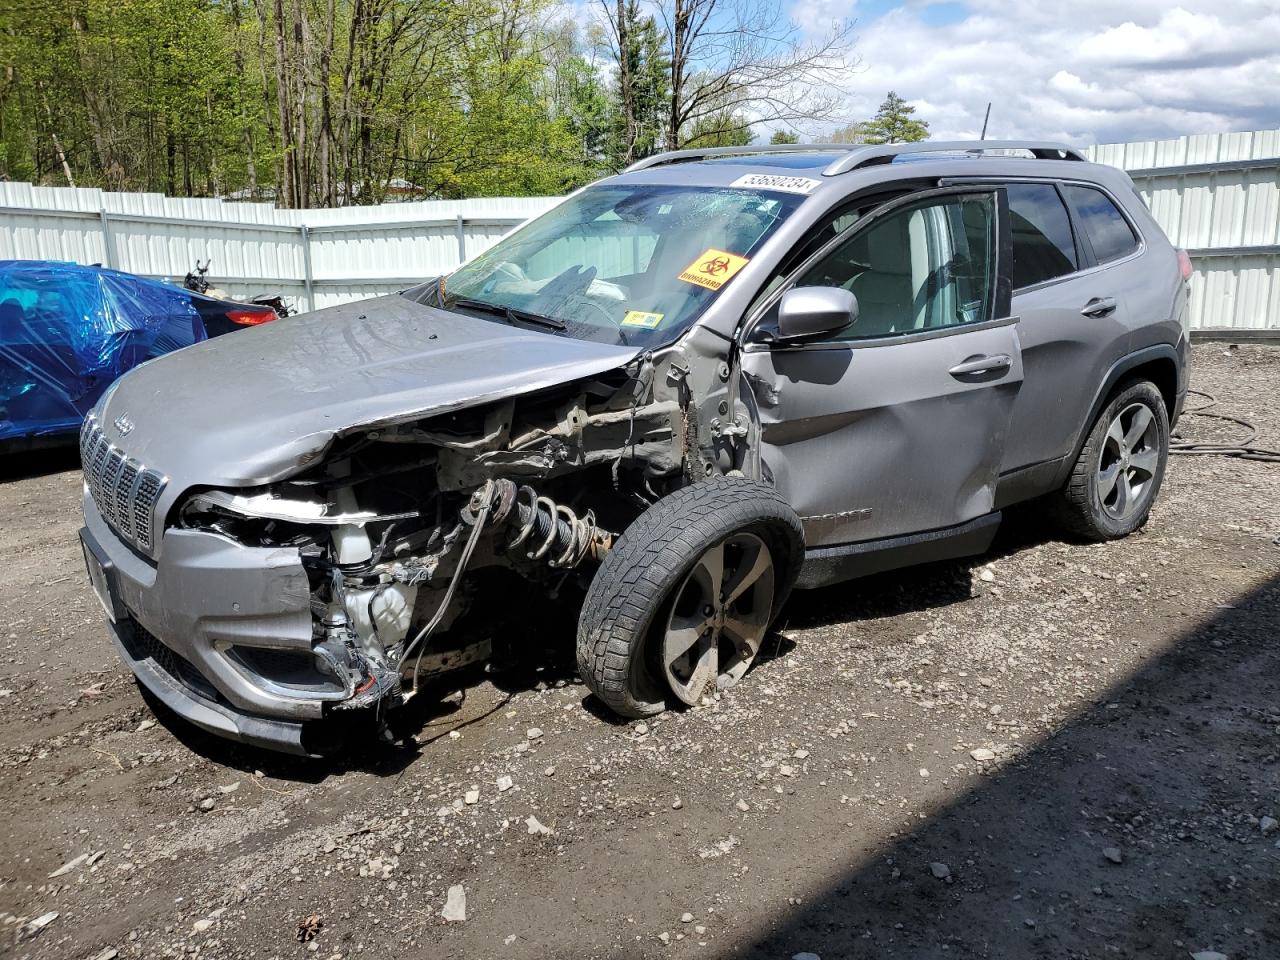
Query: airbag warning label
[713,268]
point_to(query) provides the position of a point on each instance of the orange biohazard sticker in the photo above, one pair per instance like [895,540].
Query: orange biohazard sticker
[713,268]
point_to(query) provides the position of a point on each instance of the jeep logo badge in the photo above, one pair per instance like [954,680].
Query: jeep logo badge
[123,424]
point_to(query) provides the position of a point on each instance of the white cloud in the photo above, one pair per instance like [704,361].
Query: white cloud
[1089,71]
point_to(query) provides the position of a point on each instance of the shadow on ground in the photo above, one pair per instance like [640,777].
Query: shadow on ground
[18,464]
[1172,768]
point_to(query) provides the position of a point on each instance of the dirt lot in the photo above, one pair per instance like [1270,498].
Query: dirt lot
[1058,750]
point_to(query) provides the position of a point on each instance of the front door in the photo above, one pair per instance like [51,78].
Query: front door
[897,423]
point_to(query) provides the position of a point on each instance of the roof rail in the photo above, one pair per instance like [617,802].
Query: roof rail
[704,153]
[864,155]
[861,154]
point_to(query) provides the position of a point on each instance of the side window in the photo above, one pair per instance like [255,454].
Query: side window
[926,266]
[1043,248]
[1108,231]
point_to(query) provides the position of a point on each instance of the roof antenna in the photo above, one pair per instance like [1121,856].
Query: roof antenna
[984,121]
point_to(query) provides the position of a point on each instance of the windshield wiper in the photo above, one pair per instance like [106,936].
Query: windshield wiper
[510,314]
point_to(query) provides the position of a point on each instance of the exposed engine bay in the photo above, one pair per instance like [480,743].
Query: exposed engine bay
[396,521]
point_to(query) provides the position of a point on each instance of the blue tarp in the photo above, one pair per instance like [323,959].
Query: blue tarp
[67,332]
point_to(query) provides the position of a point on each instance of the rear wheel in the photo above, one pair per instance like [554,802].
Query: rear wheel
[683,601]
[1120,468]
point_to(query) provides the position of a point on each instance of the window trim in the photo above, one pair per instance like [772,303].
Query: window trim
[1001,291]
[1083,247]
[1083,254]
[1119,207]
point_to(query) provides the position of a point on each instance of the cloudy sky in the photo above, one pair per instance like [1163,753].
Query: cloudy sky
[1085,71]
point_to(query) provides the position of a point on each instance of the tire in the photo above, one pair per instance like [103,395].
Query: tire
[633,595]
[1087,506]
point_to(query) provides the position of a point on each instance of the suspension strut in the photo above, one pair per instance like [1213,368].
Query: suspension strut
[545,529]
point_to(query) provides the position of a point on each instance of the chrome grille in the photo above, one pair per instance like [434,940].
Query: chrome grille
[123,489]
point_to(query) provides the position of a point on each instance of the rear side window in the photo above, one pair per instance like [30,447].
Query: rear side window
[1043,248]
[1108,231]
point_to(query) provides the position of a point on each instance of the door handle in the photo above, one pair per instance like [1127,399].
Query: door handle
[1099,307]
[976,365]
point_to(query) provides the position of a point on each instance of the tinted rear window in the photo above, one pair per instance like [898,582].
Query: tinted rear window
[1108,231]
[1042,245]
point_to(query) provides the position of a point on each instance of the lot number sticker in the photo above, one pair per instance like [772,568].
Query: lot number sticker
[713,268]
[783,184]
[640,318]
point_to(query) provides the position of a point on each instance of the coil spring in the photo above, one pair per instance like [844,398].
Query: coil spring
[546,530]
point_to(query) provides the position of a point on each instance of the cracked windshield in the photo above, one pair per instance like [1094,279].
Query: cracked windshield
[628,265]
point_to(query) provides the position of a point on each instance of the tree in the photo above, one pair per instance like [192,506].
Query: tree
[893,123]
[636,46]
[746,57]
[333,102]
[724,129]
[853,133]
[784,136]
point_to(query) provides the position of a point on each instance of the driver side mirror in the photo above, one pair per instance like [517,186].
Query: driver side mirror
[806,312]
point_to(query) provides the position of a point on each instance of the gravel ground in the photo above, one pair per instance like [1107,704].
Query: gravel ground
[1058,750]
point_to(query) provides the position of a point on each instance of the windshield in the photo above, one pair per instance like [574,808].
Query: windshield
[620,264]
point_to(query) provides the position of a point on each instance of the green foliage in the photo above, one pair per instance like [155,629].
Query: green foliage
[332,102]
[784,136]
[649,72]
[339,101]
[723,129]
[853,133]
[894,123]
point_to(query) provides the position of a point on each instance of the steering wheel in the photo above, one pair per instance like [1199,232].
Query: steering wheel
[580,298]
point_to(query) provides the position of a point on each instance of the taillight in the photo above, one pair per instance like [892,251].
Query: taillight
[1184,263]
[251,318]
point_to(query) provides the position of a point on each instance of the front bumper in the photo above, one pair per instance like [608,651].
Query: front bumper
[219,632]
[177,685]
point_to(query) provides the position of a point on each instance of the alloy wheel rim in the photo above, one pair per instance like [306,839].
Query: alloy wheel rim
[719,615]
[1130,457]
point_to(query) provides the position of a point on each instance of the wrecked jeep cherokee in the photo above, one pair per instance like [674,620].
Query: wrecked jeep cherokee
[683,391]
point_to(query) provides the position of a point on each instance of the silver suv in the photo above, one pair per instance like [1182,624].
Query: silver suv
[682,392]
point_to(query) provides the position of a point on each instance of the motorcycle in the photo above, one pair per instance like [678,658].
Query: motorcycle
[198,281]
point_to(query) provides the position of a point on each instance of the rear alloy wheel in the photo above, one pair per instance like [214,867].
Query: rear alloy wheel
[1118,473]
[1129,462]
[681,605]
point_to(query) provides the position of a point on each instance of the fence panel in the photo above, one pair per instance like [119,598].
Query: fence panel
[1218,196]
[316,258]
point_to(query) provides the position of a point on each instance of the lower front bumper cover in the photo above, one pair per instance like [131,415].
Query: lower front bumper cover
[174,674]
[205,713]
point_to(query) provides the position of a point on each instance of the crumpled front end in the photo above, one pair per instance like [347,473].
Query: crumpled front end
[276,613]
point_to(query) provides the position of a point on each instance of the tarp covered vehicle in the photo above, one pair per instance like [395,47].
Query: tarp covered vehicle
[67,332]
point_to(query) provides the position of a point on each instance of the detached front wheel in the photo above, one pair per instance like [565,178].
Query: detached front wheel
[681,605]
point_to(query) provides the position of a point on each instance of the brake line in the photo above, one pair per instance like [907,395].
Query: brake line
[1242,449]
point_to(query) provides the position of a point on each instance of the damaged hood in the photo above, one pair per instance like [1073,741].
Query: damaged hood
[254,406]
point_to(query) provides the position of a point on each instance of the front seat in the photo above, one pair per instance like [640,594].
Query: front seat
[883,288]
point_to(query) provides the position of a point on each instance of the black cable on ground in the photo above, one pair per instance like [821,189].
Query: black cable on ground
[1240,449]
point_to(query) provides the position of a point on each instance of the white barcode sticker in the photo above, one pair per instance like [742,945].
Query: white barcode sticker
[772,181]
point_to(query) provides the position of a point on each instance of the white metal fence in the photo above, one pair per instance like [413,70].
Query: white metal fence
[315,257]
[1218,195]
